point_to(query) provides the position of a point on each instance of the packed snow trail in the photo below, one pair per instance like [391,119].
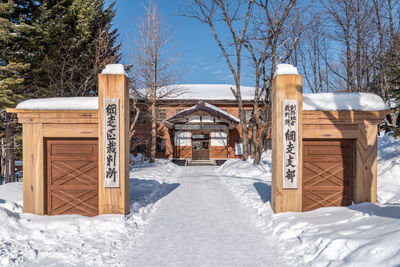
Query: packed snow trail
[200,223]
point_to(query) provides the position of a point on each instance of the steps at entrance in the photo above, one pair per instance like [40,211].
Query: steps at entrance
[203,162]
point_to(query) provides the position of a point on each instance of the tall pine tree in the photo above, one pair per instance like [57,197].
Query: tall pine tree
[77,42]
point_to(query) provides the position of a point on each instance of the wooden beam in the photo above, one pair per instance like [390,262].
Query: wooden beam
[343,117]
[329,131]
[115,200]
[33,168]
[285,87]
[365,182]
[65,130]
[56,116]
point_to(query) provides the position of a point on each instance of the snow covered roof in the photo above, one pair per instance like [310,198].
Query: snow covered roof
[343,101]
[114,69]
[213,92]
[320,101]
[286,69]
[207,107]
[216,109]
[60,103]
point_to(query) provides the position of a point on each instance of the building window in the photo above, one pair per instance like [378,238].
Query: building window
[249,114]
[142,116]
[161,114]
[161,145]
[239,148]
[138,145]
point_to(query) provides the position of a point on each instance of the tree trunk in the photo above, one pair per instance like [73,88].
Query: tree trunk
[153,142]
[8,146]
[243,124]
[264,134]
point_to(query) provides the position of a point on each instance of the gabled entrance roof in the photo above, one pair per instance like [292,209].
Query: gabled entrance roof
[207,108]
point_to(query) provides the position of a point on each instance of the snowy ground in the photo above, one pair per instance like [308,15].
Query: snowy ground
[360,235]
[207,216]
[72,240]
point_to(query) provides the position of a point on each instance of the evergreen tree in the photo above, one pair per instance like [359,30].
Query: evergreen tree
[77,42]
[12,68]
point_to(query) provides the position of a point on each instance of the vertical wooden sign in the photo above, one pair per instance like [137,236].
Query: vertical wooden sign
[111,142]
[290,143]
[287,109]
[113,134]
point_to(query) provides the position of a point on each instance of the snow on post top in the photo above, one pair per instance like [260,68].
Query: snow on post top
[114,69]
[343,101]
[286,69]
[60,103]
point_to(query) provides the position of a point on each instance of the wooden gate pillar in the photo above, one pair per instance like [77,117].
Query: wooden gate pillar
[287,109]
[113,140]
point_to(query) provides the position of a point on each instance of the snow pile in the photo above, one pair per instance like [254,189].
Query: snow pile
[27,239]
[114,69]
[286,69]
[244,169]
[212,92]
[60,103]
[388,170]
[343,101]
[359,235]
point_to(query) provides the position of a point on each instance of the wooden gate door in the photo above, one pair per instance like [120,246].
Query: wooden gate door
[72,177]
[200,146]
[327,173]
[201,150]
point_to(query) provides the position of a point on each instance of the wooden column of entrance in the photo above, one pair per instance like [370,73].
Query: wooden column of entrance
[285,87]
[114,86]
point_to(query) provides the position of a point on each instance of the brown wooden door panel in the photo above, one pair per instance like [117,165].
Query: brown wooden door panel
[200,149]
[72,177]
[327,173]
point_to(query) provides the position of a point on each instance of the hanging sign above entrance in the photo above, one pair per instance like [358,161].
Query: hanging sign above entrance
[290,143]
[111,142]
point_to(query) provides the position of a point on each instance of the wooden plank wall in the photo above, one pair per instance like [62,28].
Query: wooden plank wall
[285,87]
[33,142]
[365,182]
[33,168]
[115,200]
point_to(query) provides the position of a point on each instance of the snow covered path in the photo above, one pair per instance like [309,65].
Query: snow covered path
[200,223]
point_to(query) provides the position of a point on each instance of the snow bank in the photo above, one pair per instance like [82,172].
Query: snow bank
[343,101]
[60,103]
[359,235]
[114,69]
[388,170]
[74,240]
[244,169]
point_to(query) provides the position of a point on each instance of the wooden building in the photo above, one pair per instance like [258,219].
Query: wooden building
[200,124]
[334,159]
[65,151]
[76,150]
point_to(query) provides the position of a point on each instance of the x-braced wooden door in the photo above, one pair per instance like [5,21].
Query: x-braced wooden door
[328,172]
[72,176]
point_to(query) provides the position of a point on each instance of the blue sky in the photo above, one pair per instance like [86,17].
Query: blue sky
[200,58]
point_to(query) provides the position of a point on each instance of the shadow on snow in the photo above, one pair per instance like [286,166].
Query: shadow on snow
[147,192]
[264,190]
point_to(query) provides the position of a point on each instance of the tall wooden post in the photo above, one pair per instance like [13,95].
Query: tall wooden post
[287,109]
[113,140]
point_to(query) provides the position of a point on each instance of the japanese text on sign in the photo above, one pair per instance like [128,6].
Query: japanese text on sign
[111,142]
[290,143]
